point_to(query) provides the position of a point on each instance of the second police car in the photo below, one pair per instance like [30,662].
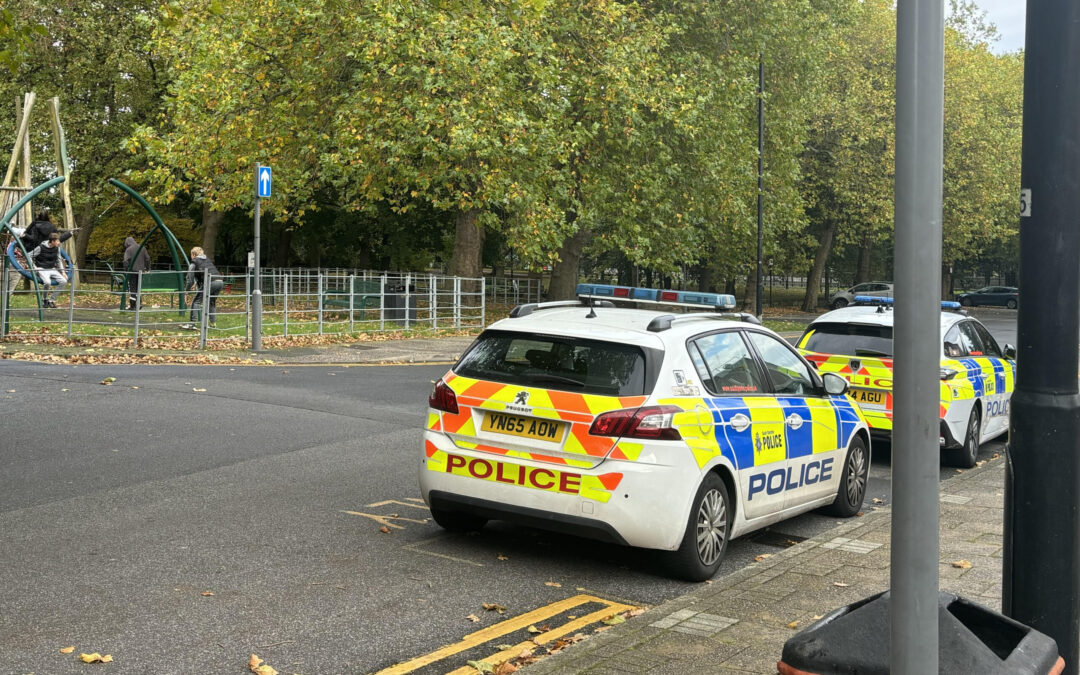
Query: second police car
[672,432]
[977,375]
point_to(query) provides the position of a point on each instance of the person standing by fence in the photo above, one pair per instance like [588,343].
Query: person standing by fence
[195,277]
[136,261]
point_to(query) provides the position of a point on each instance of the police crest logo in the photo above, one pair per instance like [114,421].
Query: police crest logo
[757,443]
[855,365]
[522,398]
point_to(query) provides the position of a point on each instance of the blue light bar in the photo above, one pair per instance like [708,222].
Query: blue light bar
[660,297]
[877,300]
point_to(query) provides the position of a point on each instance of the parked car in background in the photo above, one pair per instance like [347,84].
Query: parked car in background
[878,289]
[1003,296]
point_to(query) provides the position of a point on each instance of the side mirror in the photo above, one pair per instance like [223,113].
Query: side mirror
[1010,351]
[834,384]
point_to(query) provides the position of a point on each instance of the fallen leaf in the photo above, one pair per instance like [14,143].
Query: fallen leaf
[553,584]
[482,666]
[840,584]
[859,514]
[759,558]
[501,557]
[473,618]
[505,668]
[492,607]
[134,387]
[207,594]
[108,380]
[959,471]
[259,667]
[996,455]
[12,391]
[67,650]
[637,611]
[708,581]
[65,390]
[95,658]
[534,629]
[601,629]
[525,653]
[817,616]
[878,500]
[384,529]
[793,624]
[613,620]
[197,389]
[503,648]
[962,564]
[980,462]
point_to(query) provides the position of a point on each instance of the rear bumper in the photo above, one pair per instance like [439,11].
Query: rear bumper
[634,503]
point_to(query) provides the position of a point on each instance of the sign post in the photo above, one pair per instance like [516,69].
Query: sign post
[263,188]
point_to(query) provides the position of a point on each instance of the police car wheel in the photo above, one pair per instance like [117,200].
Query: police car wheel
[456,521]
[966,455]
[852,490]
[707,532]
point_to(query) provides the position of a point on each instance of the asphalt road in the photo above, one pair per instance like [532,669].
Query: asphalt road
[182,518]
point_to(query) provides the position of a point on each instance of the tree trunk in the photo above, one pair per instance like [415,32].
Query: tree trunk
[564,274]
[84,220]
[467,260]
[211,221]
[813,281]
[862,274]
[707,276]
[284,248]
[750,296]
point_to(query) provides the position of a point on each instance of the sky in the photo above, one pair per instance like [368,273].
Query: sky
[1008,16]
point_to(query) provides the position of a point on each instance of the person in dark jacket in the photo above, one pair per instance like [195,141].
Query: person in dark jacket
[40,229]
[49,265]
[136,260]
[195,278]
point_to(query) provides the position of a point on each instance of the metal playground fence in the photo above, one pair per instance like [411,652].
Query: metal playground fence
[153,306]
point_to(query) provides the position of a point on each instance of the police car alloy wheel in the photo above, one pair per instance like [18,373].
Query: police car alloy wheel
[965,456]
[852,490]
[705,541]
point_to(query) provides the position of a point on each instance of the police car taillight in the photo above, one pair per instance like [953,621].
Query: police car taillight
[654,422]
[443,398]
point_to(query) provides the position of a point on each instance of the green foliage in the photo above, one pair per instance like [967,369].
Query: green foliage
[107,240]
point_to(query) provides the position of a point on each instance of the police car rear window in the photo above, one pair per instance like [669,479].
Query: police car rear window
[555,362]
[850,339]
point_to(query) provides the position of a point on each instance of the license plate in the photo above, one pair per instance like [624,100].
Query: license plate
[869,398]
[525,427]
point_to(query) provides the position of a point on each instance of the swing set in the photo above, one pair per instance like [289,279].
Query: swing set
[17,215]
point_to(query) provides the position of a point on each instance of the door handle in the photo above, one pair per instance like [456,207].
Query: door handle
[794,420]
[740,422]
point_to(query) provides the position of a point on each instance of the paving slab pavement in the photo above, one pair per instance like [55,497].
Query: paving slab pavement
[738,624]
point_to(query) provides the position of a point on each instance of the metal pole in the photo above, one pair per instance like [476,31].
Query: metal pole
[352,303]
[760,179]
[920,75]
[204,308]
[256,293]
[4,298]
[319,288]
[71,299]
[1041,556]
[285,307]
[138,307]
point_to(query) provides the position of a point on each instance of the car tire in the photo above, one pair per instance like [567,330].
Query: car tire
[708,530]
[853,479]
[1010,303]
[966,302]
[839,303]
[965,456]
[456,521]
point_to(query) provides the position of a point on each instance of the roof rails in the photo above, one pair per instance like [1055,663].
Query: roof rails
[657,297]
[662,323]
[527,309]
[884,301]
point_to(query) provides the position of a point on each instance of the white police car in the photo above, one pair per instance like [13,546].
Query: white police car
[673,432]
[976,374]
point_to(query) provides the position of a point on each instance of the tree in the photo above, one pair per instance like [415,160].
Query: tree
[95,58]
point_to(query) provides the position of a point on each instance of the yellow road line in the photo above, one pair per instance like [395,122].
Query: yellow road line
[544,638]
[491,632]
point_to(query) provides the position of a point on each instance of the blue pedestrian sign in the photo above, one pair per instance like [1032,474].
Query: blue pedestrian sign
[263,181]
